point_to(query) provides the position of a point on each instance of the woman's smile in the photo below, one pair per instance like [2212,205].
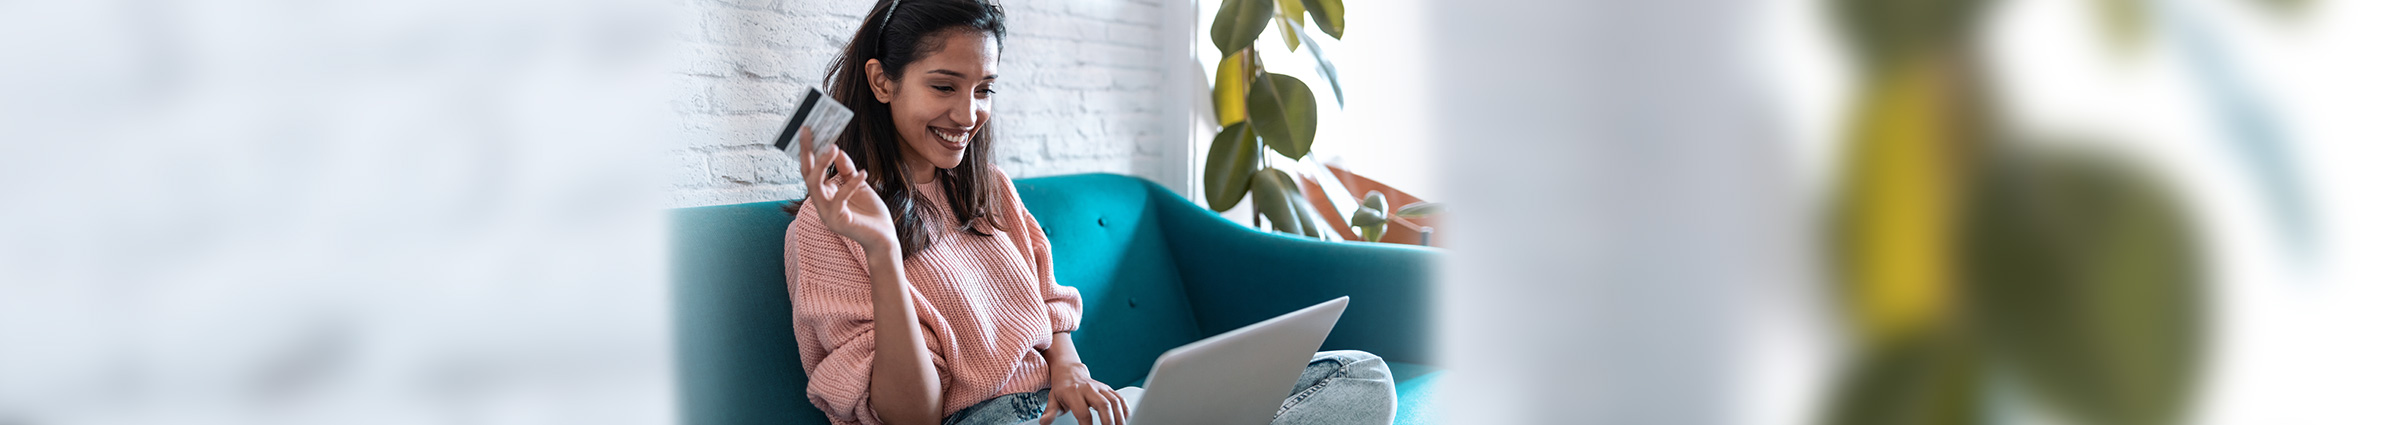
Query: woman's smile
[955,140]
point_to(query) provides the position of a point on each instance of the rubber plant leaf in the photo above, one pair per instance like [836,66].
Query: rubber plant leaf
[1238,24]
[1273,195]
[1420,209]
[1289,25]
[1231,160]
[1925,379]
[1233,85]
[1284,112]
[2084,276]
[1328,14]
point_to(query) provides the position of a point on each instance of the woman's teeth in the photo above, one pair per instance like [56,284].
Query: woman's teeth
[952,138]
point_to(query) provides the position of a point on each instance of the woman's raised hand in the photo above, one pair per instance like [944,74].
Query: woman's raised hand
[844,201]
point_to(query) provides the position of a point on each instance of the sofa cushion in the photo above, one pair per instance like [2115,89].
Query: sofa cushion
[736,359]
[1417,384]
[1105,241]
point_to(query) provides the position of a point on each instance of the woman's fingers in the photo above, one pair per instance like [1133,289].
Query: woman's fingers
[835,207]
[1054,409]
[859,196]
[1115,407]
[846,178]
[840,163]
[1078,405]
[1050,410]
[825,188]
[1099,405]
[1124,411]
[806,160]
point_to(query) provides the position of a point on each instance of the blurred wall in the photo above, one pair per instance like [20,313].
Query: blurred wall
[266,212]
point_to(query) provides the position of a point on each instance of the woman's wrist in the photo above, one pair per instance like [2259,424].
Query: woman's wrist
[881,253]
[1061,355]
[1067,369]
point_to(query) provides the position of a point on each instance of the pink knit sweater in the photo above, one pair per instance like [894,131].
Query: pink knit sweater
[987,306]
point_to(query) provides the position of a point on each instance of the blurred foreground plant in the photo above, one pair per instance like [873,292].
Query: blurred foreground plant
[1970,260]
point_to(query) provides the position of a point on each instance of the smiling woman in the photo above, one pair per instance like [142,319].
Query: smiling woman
[922,290]
[921,79]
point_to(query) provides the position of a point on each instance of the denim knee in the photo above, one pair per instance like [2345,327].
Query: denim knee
[1359,364]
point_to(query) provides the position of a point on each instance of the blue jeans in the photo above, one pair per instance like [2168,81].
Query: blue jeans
[1338,387]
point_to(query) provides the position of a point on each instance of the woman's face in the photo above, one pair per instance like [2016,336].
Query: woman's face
[940,101]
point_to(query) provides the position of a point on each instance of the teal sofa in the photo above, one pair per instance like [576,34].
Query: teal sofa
[1155,271]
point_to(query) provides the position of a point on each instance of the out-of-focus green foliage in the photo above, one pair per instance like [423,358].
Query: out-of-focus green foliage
[2084,280]
[1960,254]
[1884,33]
[1928,379]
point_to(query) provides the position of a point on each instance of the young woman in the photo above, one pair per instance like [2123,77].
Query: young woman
[921,289]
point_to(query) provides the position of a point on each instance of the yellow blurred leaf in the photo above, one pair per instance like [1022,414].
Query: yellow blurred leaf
[1895,219]
[1233,82]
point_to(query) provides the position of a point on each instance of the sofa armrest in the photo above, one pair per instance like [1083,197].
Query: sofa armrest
[1235,276]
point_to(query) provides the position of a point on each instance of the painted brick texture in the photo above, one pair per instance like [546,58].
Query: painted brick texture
[1080,91]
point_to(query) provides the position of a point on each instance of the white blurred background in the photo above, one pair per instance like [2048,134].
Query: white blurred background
[262,212]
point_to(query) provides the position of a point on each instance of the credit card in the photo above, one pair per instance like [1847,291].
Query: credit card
[822,116]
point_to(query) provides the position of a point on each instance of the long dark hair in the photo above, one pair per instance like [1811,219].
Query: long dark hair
[896,34]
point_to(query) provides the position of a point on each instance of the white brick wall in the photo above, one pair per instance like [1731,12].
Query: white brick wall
[1080,91]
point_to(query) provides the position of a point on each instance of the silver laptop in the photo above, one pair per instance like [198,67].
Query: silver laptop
[1237,377]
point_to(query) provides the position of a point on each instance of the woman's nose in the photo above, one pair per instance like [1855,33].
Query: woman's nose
[963,112]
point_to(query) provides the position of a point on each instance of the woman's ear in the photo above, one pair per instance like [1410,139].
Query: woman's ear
[875,81]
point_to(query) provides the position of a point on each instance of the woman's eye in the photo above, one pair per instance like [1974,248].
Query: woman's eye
[946,89]
[986,92]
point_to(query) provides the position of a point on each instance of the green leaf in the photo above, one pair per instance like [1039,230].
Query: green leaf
[1370,219]
[1285,113]
[1328,14]
[1885,33]
[1238,24]
[2084,275]
[1289,9]
[1279,198]
[1273,195]
[1290,27]
[1926,379]
[1419,209]
[1231,159]
[1233,84]
[1325,69]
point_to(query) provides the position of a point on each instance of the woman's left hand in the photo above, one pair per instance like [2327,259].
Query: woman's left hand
[1072,390]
